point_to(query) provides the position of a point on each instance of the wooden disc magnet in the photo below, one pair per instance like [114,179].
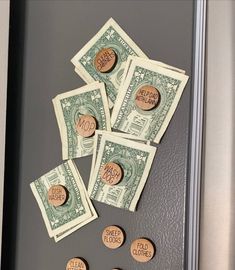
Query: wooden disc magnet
[76,264]
[113,237]
[147,97]
[57,195]
[142,250]
[105,60]
[111,173]
[86,125]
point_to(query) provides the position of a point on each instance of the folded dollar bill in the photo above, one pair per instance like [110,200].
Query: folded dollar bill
[131,58]
[69,107]
[131,112]
[62,235]
[77,211]
[93,216]
[135,161]
[97,139]
[104,57]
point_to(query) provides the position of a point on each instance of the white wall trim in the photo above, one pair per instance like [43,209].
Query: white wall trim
[218,196]
[4,30]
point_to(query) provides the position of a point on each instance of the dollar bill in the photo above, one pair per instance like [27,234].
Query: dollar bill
[151,124]
[87,100]
[62,235]
[97,139]
[111,35]
[158,63]
[77,209]
[135,161]
[93,216]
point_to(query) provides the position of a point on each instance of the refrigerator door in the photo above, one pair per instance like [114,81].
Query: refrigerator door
[44,36]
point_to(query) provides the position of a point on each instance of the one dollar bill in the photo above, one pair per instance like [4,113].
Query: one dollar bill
[97,139]
[135,161]
[77,210]
[92,217]
[70,106]
[111,35]
[150,124]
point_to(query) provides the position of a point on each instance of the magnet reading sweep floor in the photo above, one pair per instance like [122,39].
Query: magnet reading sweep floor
[144,95]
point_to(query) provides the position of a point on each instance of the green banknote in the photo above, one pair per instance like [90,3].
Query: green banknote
[111,35]
[87,100]
[97,139]
[62,220]
[92,217]
[131,58]
[62,235]
[135,161]
[149,124]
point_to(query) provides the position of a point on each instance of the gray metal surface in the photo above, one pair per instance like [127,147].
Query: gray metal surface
[54,32]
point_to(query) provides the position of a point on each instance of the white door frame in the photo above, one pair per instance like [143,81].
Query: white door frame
[4,30]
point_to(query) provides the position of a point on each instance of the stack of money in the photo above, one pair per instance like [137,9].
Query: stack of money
[134,160]
[97,139]
[104,58]
[147,98]
[88,103]
[144,95]
[77,209]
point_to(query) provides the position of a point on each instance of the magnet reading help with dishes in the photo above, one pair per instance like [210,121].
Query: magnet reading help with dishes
[147,97]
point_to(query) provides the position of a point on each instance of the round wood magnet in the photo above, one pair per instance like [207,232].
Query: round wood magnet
[105,60]
[142,250]
[147,97]
[111,173]
[86,125]
[113,237]
[57,195]
[76,264]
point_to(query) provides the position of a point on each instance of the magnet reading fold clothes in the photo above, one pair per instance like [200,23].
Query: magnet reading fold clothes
[86,125]
[142,250]
[76,264]
[147,97]
[111,173]
[105,60]
[57,195]
[113,237]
